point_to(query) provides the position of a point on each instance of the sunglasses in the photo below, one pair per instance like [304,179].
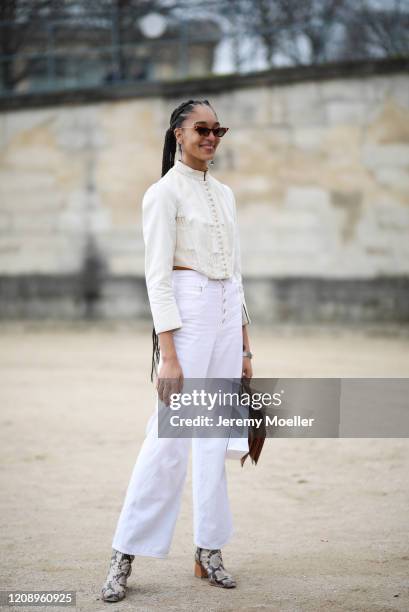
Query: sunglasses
[205,131]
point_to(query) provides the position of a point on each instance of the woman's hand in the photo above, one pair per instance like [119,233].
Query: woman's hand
[170,379]
[247,370]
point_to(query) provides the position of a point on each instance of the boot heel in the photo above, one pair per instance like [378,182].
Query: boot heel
[200,572]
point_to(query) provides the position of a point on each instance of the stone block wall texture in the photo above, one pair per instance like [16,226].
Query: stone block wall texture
[319,167]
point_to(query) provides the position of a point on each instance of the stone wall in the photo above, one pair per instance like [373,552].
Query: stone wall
[318,160]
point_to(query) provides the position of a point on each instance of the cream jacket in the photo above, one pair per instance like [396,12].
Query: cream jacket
[189,219]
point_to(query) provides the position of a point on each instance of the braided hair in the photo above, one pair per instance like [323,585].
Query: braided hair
[168,159]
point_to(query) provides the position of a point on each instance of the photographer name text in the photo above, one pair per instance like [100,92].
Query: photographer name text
[275,421]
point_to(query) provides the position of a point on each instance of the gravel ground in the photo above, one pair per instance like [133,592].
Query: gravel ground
[321,524]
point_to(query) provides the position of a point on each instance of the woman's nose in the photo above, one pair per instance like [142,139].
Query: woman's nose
[211,138]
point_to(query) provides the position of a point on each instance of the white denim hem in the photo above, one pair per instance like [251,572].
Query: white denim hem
[220,546]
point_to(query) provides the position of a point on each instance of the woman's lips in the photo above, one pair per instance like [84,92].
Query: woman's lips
[208,147]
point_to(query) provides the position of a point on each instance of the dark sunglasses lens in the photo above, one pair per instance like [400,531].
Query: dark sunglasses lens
[203,131]
[219,132]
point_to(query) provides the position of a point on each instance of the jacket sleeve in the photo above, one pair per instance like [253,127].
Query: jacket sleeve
[159,234]
[237,263]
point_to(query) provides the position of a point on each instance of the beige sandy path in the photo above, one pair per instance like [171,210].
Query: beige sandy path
[321,524]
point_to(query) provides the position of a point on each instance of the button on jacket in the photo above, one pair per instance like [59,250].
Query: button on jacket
[189,219]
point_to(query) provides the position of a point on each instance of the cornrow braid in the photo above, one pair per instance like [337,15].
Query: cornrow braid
[168,160]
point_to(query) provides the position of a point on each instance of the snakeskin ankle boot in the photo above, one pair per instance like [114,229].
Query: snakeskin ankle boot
[209,564]
[120,569]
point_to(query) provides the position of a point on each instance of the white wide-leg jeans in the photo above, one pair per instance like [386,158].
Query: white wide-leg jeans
[208,345]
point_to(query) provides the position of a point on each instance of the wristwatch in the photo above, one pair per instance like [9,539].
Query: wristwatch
[248,354]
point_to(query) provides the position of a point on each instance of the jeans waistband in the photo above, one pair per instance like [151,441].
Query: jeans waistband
[199,275]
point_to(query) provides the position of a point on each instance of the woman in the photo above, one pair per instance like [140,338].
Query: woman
[193,278]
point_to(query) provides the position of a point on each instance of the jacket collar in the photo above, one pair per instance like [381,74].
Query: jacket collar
[200,175]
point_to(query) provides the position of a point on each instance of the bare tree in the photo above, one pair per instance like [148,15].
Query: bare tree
[317,31]
[290,31]
[43,28]
[18,21]
[302,32]
[377,30]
